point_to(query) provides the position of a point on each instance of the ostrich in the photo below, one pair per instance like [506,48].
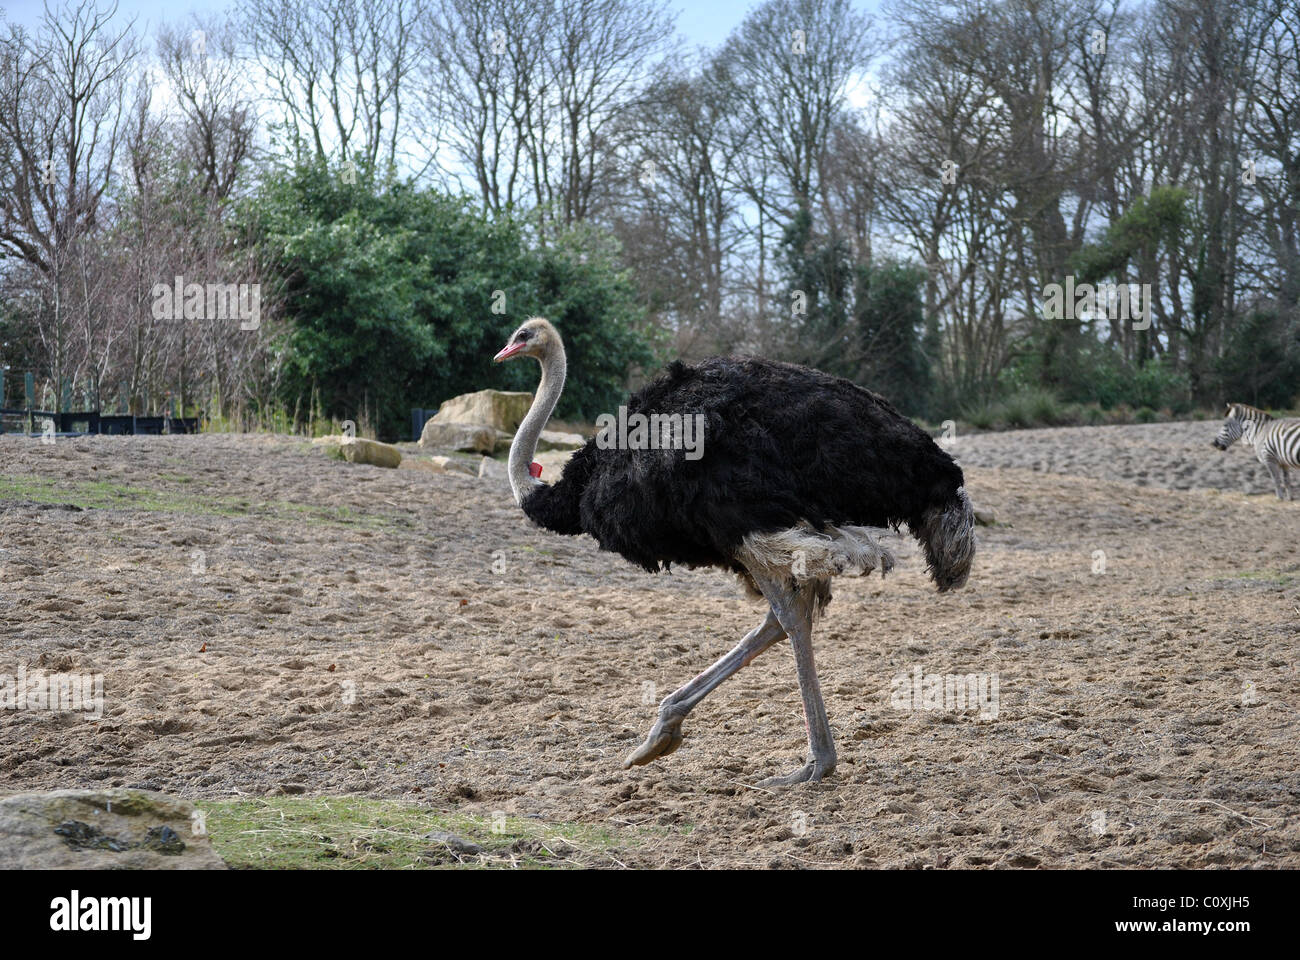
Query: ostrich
[795,465]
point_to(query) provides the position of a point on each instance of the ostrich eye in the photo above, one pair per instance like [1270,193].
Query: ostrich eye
[523,336]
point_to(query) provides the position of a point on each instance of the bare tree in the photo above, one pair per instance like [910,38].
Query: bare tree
[1200,55]
[484,82]
[63,96]
[338,70]
[209,84]
[671,203]
[790,65]
[1273,133]
[531,94]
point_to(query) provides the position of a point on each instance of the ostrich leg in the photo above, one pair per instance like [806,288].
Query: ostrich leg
[795,610]
[666,735]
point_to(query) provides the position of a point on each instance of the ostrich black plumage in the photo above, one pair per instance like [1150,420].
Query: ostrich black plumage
[795,465]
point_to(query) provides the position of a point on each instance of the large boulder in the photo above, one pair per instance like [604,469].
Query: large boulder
[554,440]
[113,829]
[360,450]
[501,410]
[466,437]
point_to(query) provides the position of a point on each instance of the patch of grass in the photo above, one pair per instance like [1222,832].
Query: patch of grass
[360,833]
[1266,576]
[105,495]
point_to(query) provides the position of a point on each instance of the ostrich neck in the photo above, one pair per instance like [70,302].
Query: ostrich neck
[525,443]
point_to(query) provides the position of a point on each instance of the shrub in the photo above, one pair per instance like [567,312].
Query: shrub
[1032,407]
[393,297]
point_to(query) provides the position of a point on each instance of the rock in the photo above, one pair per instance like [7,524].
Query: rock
[458,436]
[453,843]
[553,440]
[552,461]
[984,518]
[438,465]
[359,450]
[451,465]
[498,409]
[114,829]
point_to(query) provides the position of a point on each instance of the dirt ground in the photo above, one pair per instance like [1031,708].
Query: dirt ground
[271,621]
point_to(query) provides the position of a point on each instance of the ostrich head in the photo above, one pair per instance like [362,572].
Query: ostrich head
[534,338]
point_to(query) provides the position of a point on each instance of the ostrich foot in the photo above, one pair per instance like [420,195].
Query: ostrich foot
[664,737]
[810,772]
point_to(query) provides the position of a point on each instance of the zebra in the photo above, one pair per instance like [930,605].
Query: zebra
[1277,442]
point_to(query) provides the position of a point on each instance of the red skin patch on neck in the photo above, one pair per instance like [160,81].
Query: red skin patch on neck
[535,469]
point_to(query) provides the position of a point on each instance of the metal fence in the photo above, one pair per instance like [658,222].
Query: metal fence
[32,422]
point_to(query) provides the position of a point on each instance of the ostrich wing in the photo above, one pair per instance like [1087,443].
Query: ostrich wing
[781,444]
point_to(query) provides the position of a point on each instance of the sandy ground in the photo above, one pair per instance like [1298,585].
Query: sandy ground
[268,620]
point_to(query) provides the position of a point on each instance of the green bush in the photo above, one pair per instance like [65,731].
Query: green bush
[1093,415]
[390,291]
[1029,407]
[1112,383]
[982,417]
[1035,407]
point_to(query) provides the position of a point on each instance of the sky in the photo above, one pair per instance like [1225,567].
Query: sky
[704,23]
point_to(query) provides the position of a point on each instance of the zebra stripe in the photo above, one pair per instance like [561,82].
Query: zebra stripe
[1276,442]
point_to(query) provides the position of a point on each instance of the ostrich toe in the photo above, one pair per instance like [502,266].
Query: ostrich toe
[663,739]
[810,772]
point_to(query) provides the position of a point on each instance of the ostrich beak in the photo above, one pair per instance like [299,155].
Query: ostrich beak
[508,351]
